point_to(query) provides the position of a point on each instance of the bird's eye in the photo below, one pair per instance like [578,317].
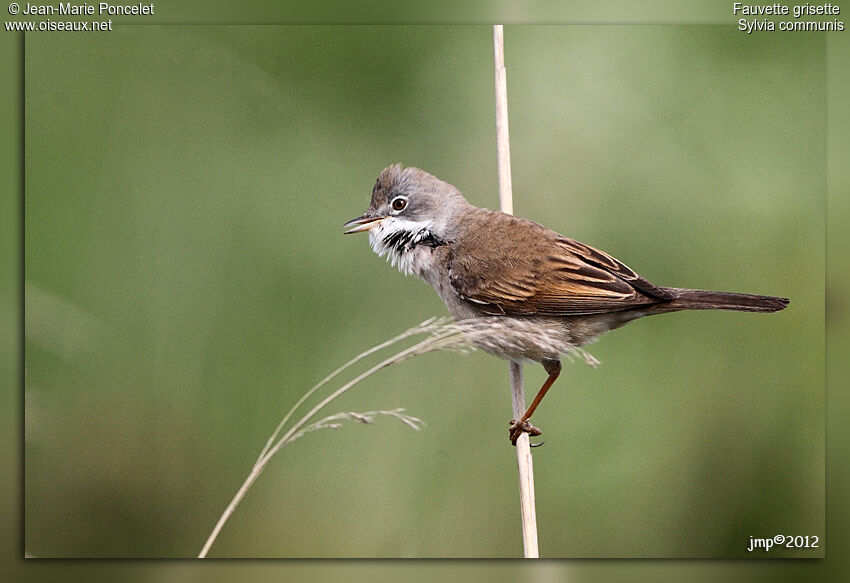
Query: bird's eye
[399,203]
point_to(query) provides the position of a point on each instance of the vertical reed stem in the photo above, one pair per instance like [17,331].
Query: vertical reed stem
[525,468]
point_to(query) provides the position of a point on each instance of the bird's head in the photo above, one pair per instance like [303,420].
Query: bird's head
[410,200]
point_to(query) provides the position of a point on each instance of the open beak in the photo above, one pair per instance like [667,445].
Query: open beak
[363,223]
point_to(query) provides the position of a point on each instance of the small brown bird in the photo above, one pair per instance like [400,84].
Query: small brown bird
[545,293]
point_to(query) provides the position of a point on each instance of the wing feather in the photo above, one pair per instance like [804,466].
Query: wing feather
[533,270]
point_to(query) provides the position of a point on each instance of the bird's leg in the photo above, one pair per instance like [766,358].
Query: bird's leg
[553,367]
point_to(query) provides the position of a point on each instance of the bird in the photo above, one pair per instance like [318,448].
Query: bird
[543,294]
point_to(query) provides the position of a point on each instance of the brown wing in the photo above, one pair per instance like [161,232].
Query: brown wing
[541,272]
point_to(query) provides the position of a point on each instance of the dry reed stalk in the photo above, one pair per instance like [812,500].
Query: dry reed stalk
[525,467]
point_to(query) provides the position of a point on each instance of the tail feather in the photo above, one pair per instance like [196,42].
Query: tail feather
[698,299]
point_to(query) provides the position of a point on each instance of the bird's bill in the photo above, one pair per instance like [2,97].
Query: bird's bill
[363,223]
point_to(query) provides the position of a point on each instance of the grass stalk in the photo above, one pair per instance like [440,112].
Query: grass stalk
[441,334]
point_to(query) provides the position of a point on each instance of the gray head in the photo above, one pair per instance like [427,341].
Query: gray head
[409,199]
[411,211]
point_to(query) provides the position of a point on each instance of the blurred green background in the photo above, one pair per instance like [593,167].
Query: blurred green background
[187,281]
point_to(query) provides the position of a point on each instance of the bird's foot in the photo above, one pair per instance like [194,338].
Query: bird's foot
[520,427]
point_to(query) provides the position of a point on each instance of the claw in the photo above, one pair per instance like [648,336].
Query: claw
[518,428]
[536,444]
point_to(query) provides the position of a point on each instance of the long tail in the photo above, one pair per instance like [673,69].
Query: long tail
[698,299]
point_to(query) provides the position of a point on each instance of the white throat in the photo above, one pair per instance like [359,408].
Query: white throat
[406,244]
